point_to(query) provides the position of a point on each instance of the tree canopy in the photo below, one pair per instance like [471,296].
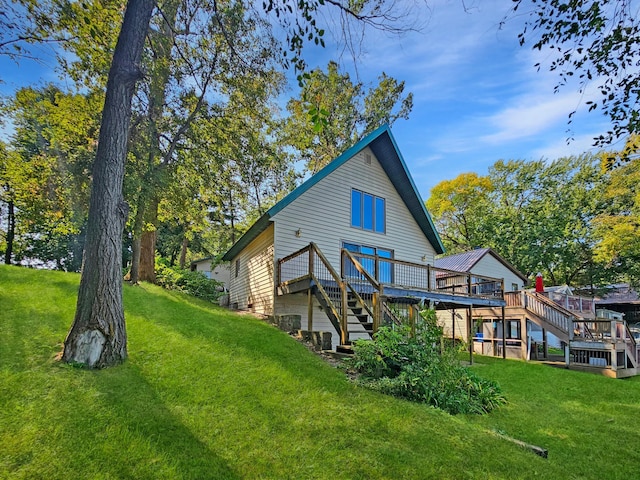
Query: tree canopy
[537,214]
[332,113]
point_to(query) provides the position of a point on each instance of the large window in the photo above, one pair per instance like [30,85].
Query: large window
[367,211]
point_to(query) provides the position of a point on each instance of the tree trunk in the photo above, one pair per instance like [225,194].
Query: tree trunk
[148,246]
[98,337]
[11,232]
[183,251]
[138,224]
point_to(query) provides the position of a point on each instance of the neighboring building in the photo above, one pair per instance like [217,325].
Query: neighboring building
[624,299]
[486,262]
[358,224]
[220,272]
[482,262]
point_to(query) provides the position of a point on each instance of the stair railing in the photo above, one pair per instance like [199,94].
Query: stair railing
[631,345]
[357,296]
[348,262]
[321,272]
[556,315]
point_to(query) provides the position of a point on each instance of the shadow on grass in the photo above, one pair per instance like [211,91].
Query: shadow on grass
[138,409]
[249,336]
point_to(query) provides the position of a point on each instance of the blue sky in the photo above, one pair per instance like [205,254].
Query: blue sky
[477,96]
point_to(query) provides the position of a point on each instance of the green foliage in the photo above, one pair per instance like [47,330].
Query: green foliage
[193,283]
[617,227]
[46,173]
[536,214]
[420,368]
[459,207]
[593,42]
[332,113]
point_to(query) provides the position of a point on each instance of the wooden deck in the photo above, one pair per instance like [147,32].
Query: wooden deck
[368,285]
[603,346]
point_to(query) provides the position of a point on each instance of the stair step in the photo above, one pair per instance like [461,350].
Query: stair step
[345,349]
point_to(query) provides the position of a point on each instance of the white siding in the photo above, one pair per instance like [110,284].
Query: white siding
[253,287]
[220,273]
[490,266]
[461,325]
[323,215]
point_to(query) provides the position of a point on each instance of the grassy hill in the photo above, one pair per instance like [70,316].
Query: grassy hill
[207,393]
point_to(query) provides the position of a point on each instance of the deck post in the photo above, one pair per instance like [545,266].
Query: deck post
[453,327]
[470,333]
[309,310]
[504,335]
[412,320]
[343,320]
[376,311]
[428,278]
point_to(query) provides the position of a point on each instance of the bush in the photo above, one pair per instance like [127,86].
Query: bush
[420,368]
[193,283]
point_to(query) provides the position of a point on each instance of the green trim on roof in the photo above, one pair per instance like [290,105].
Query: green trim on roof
[401,180]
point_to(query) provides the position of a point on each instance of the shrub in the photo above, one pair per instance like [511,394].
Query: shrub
[193,283]
[420,368]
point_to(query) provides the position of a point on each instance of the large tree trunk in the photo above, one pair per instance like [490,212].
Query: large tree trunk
[98,336]
[11,232]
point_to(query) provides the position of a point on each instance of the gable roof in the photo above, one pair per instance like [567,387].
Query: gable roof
[464,262]
[384,147]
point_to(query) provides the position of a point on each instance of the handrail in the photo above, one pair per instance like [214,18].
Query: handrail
[333,273]
[342,316]
[355,293]
[326,296]
[551,303]
[391,313]
[295,254]
[553,313]
[361,269]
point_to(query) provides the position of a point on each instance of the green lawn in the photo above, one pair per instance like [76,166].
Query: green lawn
[210,394]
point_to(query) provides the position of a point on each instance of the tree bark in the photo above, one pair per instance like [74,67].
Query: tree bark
[183,251]
[97,337]
[11,232]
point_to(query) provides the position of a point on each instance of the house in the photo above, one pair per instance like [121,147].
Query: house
[483,262]
[622,298]
[220,272]
[348,249]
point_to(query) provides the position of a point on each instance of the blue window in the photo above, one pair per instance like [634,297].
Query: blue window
[368,212]
[356,208]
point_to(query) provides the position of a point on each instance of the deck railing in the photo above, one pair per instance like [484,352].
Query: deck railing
[310,264]
[584,306]
[368,275]
[610,332]
[382,271]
